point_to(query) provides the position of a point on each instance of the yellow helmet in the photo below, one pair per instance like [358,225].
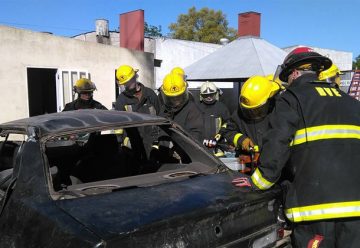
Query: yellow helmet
[173,85]
[174,92]
[84,85]
[254,96]
[124,73]
[331,75]
[276,80]
[178,70]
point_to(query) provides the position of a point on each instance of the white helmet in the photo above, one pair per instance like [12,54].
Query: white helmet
[209,93]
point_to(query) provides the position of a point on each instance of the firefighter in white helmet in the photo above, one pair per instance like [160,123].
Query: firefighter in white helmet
[215,112]
[84,88]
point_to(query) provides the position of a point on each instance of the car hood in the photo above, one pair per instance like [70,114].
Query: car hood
[115,214]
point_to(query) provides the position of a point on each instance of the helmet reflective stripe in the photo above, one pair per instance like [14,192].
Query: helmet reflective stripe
[260,181]
[324,211]
[326,132]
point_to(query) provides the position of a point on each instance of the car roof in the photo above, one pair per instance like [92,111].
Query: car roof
[69,121]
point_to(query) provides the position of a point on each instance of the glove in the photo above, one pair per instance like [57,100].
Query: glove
[209,143]
[246,144]
[243,182]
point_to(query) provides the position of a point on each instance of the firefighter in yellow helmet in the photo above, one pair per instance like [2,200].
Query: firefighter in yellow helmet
[134,96]
[177,106]
[314,130]
[248,123]
[178,70]
[331,75]
[84,88]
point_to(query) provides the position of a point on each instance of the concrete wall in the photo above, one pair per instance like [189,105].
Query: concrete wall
[21,49]
[174,52]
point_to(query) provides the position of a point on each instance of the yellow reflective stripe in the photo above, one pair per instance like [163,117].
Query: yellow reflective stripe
[224,125]
[324,211]
[236,138]
[119,131]
[336,93]
[326,132]
[320,91]
[328,91]
[260,181]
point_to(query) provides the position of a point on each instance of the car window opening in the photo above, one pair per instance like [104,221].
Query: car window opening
[119,159]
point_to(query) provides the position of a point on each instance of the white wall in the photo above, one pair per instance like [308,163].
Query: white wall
[21,49]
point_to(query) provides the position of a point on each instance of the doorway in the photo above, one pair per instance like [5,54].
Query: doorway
[41,91]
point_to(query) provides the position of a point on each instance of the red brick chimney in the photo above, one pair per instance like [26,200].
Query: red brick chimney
[249,24]
[132,30]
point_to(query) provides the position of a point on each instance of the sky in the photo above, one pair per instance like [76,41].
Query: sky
[330,24]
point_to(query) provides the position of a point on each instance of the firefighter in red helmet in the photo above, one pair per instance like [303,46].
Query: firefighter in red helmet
[315,130]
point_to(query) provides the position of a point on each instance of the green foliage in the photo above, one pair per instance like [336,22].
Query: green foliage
[356,63]
[205,25]
[152,31]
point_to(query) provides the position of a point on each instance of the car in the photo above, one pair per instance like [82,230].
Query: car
[101,178]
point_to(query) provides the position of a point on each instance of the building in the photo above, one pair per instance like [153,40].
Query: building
[38,71]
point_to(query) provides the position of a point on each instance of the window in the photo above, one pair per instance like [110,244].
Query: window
[124,157]
[65,81]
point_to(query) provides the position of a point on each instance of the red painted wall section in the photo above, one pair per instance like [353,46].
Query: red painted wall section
[249,24]
[132,30]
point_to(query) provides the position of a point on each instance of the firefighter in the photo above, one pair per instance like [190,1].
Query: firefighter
[84,88]
[134,97]
[331,75]
[178,107]
[315,130]
[215,113]
[248,123]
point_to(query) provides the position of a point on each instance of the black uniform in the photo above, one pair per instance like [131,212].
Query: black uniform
[316,129]
[214,116]
[83,104]
[148,104]
[189,117]
[238,127]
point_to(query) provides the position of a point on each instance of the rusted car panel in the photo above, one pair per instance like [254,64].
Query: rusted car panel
[190,203]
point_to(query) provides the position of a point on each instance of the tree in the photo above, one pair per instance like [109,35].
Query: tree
[205,25]
[356,63]
[152,31]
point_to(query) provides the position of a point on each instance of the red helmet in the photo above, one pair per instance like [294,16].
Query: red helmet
[303,57]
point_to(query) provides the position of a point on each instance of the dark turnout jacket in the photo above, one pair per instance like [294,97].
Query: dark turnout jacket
[189,117]
[214,116]
[82,104]
[315,128]
[237,128]
[148,104]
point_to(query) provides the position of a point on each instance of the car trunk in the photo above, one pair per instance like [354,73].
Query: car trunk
[209,211]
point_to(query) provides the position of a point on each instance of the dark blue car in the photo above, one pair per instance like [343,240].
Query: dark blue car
[98,178]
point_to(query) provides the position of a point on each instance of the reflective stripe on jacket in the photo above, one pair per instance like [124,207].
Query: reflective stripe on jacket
[315,131]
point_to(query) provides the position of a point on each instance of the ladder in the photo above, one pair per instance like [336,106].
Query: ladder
[354,89]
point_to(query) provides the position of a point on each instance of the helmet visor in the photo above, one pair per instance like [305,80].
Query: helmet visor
[174,103]
[209,98]
[130,87]
[255,113]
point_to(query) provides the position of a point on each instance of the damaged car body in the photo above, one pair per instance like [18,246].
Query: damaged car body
[96,178]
